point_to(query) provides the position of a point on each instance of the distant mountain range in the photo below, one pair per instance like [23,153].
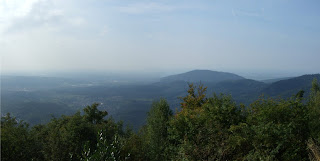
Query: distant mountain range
[202,75]
[241,89]
[34,99]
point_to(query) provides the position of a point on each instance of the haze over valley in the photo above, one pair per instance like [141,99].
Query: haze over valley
[36,99]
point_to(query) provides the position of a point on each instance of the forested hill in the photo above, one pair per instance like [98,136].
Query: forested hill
[202,75]
[286,88]
[247,90]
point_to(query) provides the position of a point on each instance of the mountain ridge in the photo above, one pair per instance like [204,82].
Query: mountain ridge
[202,75]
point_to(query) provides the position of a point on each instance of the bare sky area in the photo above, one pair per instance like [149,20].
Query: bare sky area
[112,35]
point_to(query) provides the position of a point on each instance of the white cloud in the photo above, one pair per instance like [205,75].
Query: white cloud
[240,12]
[41,14]
[140,8]
[31,14]
[15,8]
[77,21]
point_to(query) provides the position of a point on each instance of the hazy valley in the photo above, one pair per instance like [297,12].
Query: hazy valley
[36,99]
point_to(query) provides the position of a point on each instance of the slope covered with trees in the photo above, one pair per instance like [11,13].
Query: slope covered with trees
[286,88]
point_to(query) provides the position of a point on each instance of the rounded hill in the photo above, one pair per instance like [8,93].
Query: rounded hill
[202,75]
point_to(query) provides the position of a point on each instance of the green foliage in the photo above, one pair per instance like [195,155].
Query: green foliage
[66,136]
[135,144]
[61,139]
[315,86]
[156,134]
[201,132]
[105,151]
[195,98]
[314,110]
[93,115]
[16,142]
[274,130]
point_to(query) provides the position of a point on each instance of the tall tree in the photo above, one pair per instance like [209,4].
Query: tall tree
[200,129]
[157,130]
[314,110]
[93,115]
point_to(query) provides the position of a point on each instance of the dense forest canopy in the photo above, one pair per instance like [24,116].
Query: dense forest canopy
[206,128]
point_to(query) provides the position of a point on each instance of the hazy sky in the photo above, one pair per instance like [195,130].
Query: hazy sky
[127,35]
